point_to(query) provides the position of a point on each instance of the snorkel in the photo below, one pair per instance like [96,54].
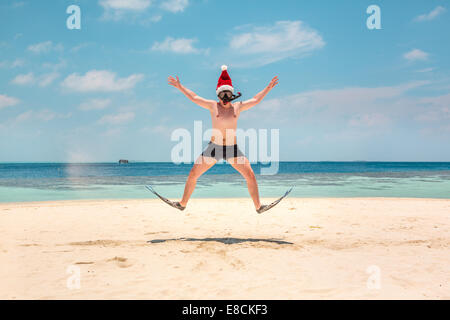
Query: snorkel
[230,97]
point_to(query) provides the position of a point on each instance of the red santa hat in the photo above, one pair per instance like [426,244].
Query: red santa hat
[224,83]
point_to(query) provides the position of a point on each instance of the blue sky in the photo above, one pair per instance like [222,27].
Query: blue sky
[345,92]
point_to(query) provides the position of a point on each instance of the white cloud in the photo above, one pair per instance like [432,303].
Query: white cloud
[268,44]
[95,104]
[43,115]
[415,55]
[100,80]
[355,106]
[6,101]
[155,18]
[425,70]
[48,79]
[24,79]
[23,116]
[357,111]
[40,47]
[134,5]
[174,5]
[437,101]
[29,79]
[136,11]
[55,66]
[349,121]
[119,9]
[112,132]
[162,130]
[44,47]
[114,119]
[11,65]
[46,115]
[12,122]
[435,109]
[80,46]
[181,45]
[431,15]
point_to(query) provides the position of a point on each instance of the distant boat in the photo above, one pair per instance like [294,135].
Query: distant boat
[122,161]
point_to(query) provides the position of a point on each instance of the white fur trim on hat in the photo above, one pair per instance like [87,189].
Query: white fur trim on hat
[224,67]
[224,88]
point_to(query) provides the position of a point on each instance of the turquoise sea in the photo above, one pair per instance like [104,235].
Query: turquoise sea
[65,181]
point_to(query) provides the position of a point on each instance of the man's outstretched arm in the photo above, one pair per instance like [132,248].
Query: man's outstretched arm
[204,103]
[245,105]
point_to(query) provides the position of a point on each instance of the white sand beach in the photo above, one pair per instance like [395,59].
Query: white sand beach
[352,248]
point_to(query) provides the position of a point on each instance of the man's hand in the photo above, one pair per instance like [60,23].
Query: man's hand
[207,104]
[273,83]
[174,82]
[258,98]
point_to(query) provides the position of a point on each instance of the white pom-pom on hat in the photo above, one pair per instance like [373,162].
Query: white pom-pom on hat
[224,67]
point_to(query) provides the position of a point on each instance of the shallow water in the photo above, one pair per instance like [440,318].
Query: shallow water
[62,181]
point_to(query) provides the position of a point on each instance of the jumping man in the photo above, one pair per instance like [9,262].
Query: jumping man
[223,144]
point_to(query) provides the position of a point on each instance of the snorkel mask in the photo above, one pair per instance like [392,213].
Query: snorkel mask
[228,96]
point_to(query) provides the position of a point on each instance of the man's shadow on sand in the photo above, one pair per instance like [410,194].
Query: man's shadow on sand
[222,240]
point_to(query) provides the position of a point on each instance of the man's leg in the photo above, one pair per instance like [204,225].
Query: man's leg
[201,165]
[242,165]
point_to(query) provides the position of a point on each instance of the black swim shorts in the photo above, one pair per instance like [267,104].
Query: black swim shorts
[219,152]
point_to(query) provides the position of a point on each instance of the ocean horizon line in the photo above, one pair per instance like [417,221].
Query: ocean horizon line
[258,162]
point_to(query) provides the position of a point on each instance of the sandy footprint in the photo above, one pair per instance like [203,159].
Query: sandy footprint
[200,266]
[103,243]
[157,232]
[120,262]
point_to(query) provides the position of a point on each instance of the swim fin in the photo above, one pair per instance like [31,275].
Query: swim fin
[176,205]
[265,207]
